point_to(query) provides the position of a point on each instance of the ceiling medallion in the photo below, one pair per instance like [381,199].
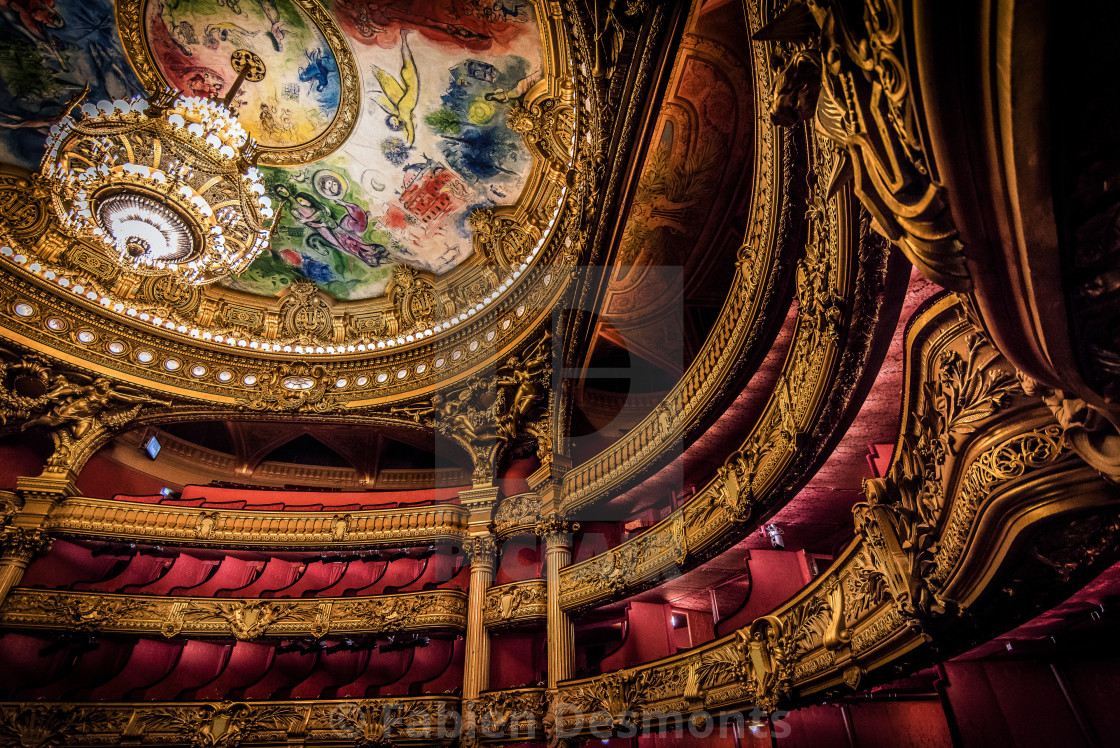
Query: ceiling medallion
[164,186]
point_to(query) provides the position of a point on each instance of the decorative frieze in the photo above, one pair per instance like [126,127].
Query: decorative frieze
[244,620]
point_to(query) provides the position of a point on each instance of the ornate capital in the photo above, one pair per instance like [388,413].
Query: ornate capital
[556,531]
[22,544]
[482,550]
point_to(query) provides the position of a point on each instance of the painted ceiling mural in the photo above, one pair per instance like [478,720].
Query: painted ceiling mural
[428,145]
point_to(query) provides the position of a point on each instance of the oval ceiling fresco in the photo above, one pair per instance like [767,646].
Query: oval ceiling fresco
[382,124]
[191,43]
[429,144]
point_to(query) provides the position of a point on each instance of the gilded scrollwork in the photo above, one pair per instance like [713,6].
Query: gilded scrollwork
[519,511]
[366,723]
[49,725]
[844,68]
[508,714]
[221,725]
[379,723]
[305,316]
[296,387]
[69,406]
[517,602]
[900,518]
[244,620]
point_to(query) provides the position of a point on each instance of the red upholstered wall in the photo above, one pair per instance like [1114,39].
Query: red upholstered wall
[521,559]
[17,459]
[103,478]
[775,577]
[513,480]
[517,658]
[647,637]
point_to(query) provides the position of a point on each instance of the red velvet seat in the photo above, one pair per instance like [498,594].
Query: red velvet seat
[401,573]
[92,668]
[358,574]
[336,670]
[148,663]
[233,573]
[384,669]
[287,670]
[200,663]
[248,662]
[238,504]
[185,572]
[182,502]
[277,506]
[140,572]
[277,574]
[67,564]
[23,665]
[316,576]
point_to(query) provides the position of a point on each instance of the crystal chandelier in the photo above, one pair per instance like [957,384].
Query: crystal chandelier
[165,185]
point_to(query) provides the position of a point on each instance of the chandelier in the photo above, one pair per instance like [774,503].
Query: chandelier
[165,185]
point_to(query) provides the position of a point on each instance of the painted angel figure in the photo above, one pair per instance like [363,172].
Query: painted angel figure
[399,98]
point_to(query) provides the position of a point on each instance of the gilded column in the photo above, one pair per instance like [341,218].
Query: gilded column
[557,536]
[482,551]
[22,515]
[18,545]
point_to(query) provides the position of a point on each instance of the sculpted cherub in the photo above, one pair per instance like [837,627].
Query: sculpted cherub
[75,408]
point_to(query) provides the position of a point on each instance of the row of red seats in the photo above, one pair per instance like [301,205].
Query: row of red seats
[211,497]
[159,670]
[74,566]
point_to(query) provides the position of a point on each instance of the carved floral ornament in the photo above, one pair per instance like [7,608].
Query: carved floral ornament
[496,411]
[72,407]
[244,620]
[368,723]
[511,603]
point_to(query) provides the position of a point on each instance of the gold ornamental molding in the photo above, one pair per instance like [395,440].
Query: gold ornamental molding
[394,721]
[839,299]
[511,714]
[738,327]
[515,603]
[243,620]
[985,511]
[153,523]
[517,514]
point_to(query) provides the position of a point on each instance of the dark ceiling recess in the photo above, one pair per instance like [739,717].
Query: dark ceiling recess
[305,449]
[210,434]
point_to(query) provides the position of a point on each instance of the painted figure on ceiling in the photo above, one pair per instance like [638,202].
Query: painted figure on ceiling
[343,234]
[192,40]
[49,51]
[462,24]
[398,98]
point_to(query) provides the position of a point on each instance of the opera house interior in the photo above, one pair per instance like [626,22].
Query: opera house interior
[550,373]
